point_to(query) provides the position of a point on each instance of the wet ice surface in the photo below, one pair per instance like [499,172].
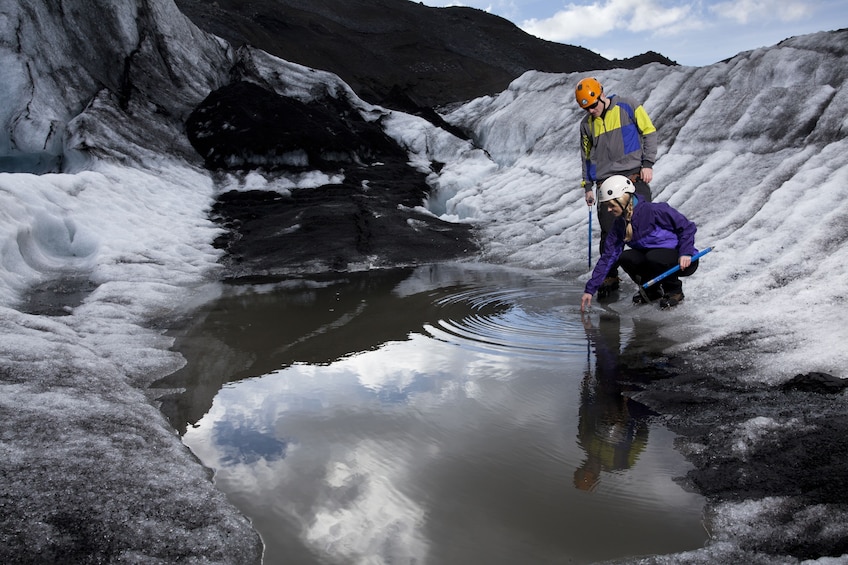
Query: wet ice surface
[57,298]
[748,161]
[448,414]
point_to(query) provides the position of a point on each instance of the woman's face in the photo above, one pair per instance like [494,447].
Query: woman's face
[614,208]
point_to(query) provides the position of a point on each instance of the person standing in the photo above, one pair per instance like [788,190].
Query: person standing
[617,137]
[659,238]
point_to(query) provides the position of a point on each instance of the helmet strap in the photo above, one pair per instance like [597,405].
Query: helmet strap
[621,205]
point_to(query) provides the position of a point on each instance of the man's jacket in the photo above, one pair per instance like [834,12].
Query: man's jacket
[618,142]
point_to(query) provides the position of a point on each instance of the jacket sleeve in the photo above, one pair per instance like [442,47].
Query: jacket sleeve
[649,137]
[613,246]
[672,220]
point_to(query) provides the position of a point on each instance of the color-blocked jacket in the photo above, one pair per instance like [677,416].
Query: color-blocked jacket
[618,142]
[655,225]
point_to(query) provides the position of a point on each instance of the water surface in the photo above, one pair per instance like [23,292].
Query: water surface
[450,414]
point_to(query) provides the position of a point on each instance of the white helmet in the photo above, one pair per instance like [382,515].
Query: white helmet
[615,187]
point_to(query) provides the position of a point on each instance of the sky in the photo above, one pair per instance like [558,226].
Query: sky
[690,32]
[761,171]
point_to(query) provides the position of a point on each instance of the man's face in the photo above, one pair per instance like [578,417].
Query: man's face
[596,109]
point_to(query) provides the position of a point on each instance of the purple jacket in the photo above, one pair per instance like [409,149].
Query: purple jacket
[655,225]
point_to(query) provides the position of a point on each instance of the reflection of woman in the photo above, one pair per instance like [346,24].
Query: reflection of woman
[612,429]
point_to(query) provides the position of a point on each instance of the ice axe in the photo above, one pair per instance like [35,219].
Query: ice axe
[673,270]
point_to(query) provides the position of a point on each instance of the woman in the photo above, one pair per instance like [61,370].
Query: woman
[659,238]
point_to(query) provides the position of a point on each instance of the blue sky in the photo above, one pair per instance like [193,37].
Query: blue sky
[690,32]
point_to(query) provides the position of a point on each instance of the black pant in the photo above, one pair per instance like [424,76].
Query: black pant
[644,265]
[606,219]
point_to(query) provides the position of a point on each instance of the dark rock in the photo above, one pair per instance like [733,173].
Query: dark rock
[748,443]
[244,126]
[367,220]
[645,58]
[821,383]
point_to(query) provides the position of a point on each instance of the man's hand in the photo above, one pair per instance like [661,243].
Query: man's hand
[647,174]
[590,198]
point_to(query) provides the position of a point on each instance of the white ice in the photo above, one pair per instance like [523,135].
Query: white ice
[754,150]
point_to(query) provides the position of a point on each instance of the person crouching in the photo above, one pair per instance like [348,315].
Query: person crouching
[659,238]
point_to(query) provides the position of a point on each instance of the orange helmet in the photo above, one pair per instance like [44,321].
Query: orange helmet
[588,91]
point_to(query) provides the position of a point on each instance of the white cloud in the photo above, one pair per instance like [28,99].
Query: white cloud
[745,11]
[599,19]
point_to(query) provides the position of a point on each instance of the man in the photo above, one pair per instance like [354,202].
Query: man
[616,138]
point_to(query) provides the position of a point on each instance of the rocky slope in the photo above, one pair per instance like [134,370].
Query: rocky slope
[397,53]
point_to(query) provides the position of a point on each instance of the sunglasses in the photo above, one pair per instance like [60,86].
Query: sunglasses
[593,106]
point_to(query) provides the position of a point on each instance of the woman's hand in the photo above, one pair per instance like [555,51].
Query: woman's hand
[684,261]
[585,302]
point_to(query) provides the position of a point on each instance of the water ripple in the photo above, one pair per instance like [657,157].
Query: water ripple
[540,319]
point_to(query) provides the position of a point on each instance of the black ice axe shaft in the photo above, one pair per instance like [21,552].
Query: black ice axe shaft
[674,269]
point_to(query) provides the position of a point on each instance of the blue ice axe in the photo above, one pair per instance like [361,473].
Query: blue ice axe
[674,269]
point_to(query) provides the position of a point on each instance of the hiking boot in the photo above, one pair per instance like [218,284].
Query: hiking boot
[652,296]
[671,300]
[609,286]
